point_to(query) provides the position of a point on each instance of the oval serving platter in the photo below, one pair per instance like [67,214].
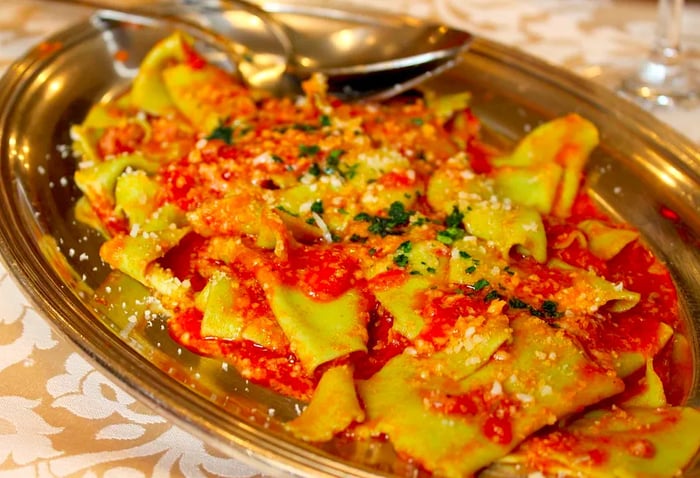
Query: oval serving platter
[641,169]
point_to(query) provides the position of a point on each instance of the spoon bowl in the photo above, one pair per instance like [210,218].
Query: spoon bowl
[361,56]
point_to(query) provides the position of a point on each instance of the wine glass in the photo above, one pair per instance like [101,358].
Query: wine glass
[664,78]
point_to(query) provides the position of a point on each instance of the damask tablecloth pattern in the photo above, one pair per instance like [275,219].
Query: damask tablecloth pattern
[59,416]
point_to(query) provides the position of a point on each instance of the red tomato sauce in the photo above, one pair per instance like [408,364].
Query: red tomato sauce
[324,273]
[277,370]
[442,310]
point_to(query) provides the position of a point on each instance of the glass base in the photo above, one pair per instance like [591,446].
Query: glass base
[660,84]
[651,84]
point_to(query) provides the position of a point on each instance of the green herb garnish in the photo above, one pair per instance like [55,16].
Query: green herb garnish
[480,284]
[317,206]
[223,133]
[308,150]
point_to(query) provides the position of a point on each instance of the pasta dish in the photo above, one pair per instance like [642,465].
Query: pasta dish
[384,264]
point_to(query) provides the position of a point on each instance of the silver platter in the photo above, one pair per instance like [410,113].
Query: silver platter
[641,169]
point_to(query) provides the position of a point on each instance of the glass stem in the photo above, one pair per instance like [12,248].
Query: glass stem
[667,44]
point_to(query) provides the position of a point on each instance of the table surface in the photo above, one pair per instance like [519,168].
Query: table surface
[59,416]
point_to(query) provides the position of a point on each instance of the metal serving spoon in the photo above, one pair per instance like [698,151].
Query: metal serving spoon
[363,56]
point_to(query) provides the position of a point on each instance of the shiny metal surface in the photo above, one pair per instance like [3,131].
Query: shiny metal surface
[361,55]
[640,168]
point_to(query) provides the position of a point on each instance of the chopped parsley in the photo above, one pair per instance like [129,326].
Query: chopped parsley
[401,257]
[308,150]
[305,127]
[287,211]
[418,121]
[454,219]
[535,312]
[549,307]
[335,154]
[351,171]
[464,255]
[314,170]
[396,218]
[333,160]
[277,159]
[420,220]
[223,133]
[325,120]
[404,247]
[449,236]
[480,284]
[317,206]
[470,269]
[516,303]
[401,260]
[453,224]
[358,238]
[492,295]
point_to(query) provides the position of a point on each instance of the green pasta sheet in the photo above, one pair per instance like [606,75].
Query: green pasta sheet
[148,91]
[590,291]
[224,302]
[217,300]
[85,213]
[370,165]
[472,259]
[428,258]
[630,442]
[446,105]
[318,331]
[536,189]
[394,405]
[207,96]
[98,182]
[136,254]
[456,427]
[294,207]
[457,175]
[605,241]
[301,230]
[100,117]
[565,141]
[400,301]
[625,353]
[104,115]
[182,81]
[508,227]
[334,406]
[297,199]
[134,195]
[627,362]
[651,393]
[476,340]
[237,212]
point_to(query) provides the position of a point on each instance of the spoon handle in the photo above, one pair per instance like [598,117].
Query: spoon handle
[175,10]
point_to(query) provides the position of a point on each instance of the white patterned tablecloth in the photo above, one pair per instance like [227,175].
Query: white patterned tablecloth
[61,417]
